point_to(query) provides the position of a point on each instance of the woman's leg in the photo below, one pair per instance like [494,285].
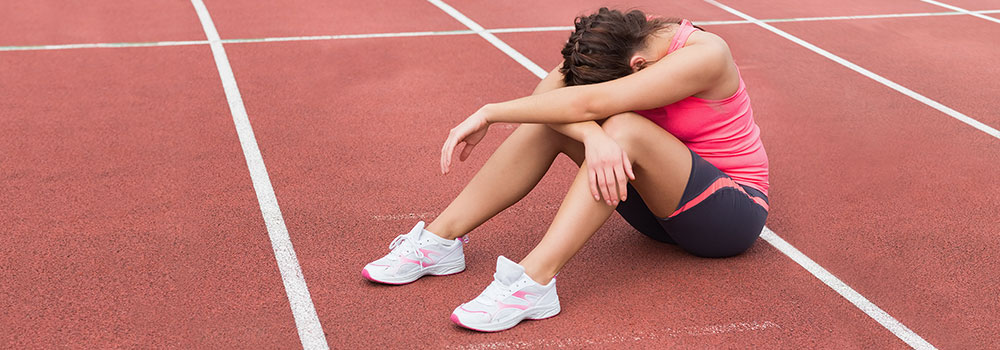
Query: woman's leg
[510,173]
[662,165]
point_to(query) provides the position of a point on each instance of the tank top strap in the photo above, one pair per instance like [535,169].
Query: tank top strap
[681,36]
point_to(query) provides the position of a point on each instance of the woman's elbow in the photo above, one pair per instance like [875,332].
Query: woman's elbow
[592,108]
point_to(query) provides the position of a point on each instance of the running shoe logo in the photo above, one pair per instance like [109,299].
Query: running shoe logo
[427,256]
[522,294]
[418,262]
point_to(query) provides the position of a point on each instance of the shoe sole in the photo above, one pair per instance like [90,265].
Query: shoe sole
[436,270]
[543,314]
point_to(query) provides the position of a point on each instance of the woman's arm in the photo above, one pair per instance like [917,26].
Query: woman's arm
[684,73]
[609,168]
[577,131]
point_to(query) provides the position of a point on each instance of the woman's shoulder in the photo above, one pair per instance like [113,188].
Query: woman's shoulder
[728,79]
[708,39]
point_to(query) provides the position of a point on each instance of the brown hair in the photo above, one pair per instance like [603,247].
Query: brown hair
[603,43]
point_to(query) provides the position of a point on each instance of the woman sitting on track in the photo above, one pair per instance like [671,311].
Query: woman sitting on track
[656,115]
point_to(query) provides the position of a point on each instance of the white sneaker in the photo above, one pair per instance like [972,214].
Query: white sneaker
[510,298]
[414,255]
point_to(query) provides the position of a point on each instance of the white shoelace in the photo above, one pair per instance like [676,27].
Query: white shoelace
[494,293]
[407,243]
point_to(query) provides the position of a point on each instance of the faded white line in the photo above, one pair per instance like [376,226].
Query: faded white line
[531,29]
[962,10]
[635,338]
[306,321]
[822,274]
[452,32]
[910,337]
[871,75]
[101,45]
[431,214]
[856,17]
[349,36]
[405,216]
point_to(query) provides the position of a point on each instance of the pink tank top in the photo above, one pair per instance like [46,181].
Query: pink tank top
[722,132]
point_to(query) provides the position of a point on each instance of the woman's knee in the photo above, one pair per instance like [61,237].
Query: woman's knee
[624,127]
[538,135]
[541,136]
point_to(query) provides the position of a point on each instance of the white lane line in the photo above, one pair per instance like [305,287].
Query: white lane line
[901,89]
[237,41]
[911,338]
[856,17]
[101,45]
[815,269]
[531,29]
[454,32]
[349,36]
[306,321]
[517,56]
[430,214]
[962,10]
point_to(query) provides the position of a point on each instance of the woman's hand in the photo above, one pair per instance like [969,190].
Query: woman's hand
[607,168]
[470,131]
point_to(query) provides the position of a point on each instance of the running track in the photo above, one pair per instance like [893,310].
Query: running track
[149,203]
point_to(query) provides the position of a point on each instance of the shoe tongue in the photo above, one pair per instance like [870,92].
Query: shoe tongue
[412,237]
[508,271]
[416,231]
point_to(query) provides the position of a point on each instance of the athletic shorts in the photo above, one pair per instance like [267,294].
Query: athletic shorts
[716,216]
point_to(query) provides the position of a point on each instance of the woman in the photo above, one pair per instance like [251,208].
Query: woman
[657,117]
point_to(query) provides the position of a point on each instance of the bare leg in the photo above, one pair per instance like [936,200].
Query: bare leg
[510,173]
[578,218]
[662,165]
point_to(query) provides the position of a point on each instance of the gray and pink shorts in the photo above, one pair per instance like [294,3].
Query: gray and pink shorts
[716,216]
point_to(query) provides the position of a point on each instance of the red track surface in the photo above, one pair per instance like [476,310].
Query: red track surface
[934,56]
[129,217]
[237,19]
[47,22]
[133,222]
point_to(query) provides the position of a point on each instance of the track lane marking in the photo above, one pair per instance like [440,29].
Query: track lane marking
[962,10]
[626,337]
[306,320]
[102,45]
[786,248]
[452,32]
[883,318]
[856,17]
[867,73]
[432,214]
[499,44]
[349,36]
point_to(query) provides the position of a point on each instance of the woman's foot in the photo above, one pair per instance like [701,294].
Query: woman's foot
[512,297]
[414,255]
